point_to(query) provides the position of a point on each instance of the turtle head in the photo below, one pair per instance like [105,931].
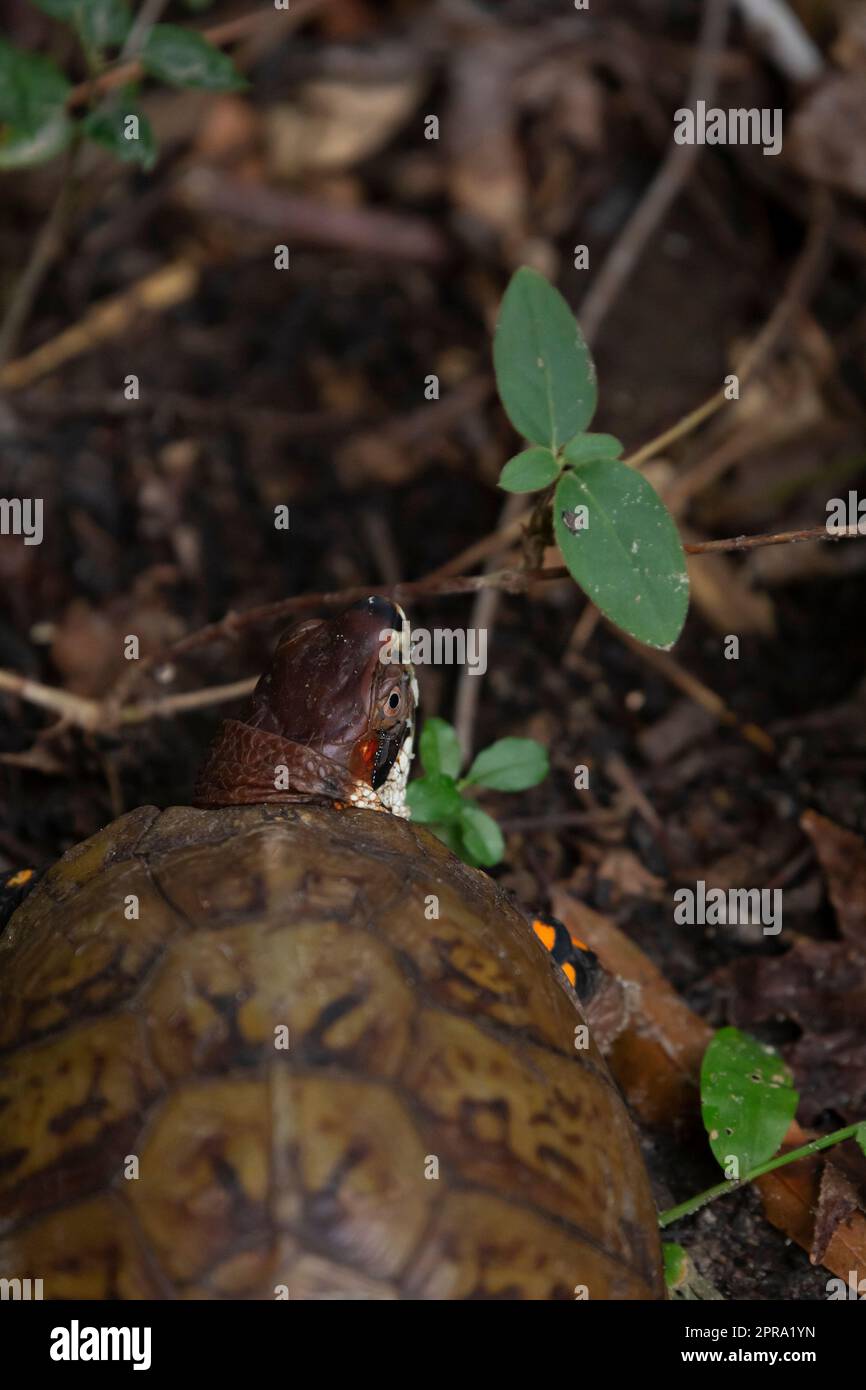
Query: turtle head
[337,705]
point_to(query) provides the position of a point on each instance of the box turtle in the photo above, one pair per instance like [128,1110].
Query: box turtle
[283,1043]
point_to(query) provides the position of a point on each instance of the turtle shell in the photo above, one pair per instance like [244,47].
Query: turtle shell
[294,1051]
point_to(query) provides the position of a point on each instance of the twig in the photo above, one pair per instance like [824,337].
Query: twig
[188,699]
[809,533]
[483,618]
[780,33]
[108,714]
[296,217]
[46,248]
[697,691]
[169,285]
[669,179]
[147,16]
[86,714]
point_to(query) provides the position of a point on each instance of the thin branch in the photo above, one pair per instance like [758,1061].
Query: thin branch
[111,713]
[46,249]
[809,533]
[75,709]
[186,700]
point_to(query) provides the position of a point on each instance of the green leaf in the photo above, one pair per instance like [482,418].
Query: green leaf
[22,149]
[183,58]
[111,126]
[510,765]
[30,87]
[860,1138]
[58,9]
[34,125]
[101,24]
[628,556]
[747,1100]
[586,447]
[527,472]
[676,1264]
[450,835]
[482,838]
[434,798]
[544,373]
[440,748]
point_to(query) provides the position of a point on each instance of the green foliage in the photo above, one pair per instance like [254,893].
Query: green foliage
[747,1099]
[439,747]
[622,547]
[510,764]
[35,125]
[184,58]
[529,471]
[627,555]
[110,126]
[676,1263]
[100,24]
[585,448]
[544,373]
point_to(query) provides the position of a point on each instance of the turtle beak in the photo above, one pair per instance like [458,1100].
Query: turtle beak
[390,743]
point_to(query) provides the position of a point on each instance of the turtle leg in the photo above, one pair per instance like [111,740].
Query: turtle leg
[15,884]
[580,965]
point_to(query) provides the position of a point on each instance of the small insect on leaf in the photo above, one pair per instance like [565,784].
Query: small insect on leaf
[747,1099]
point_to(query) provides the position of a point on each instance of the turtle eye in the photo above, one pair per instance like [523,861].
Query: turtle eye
[394,700]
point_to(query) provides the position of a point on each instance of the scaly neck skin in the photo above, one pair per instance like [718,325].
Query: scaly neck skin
[247,767]
[329,721]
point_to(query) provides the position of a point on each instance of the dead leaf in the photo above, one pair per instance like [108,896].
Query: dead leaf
[837,1200]
[332,126]
[842,856]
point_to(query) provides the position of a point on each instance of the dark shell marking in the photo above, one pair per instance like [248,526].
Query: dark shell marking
[259,1167]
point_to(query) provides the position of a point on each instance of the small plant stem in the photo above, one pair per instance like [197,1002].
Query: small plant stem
[46,249]
[667,1218]
[686,425]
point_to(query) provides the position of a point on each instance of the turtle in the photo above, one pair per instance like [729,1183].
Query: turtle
[282,1043]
